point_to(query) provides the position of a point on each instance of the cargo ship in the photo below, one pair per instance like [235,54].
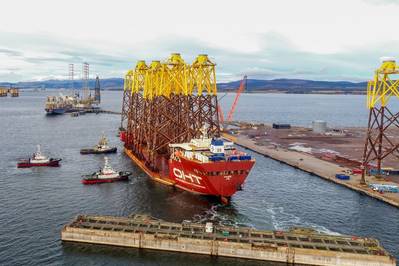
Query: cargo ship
[58,105]
[204,166]
[170,124]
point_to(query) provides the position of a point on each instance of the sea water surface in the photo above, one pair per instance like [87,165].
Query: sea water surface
[35,203]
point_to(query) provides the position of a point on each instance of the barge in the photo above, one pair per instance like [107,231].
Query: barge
[296,246]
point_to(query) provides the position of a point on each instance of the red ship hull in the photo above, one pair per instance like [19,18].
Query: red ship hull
[213,178]
[27,164]
[122,136]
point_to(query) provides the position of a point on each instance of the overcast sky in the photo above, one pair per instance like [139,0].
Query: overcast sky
[311,39]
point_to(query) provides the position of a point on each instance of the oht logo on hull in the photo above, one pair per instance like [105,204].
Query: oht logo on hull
[189,178]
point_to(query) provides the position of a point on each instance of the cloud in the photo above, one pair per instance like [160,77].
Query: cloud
[311,39]
[10,52]
[382,2]
[276,56]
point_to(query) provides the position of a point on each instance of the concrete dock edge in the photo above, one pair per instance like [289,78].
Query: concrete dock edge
[312,165]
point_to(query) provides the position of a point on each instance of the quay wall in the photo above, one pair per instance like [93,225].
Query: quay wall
[316,166]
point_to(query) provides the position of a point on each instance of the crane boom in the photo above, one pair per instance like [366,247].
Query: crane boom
[242,87]
[220,112]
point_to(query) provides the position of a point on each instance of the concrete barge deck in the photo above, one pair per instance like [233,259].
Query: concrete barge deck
[297,246]
[311,164]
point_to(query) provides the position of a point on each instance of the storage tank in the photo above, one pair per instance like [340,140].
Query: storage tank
[319,126]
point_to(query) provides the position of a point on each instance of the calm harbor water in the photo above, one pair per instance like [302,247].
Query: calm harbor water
[36,203]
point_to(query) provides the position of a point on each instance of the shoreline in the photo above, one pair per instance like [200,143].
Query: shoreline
[271,91]
[317,167]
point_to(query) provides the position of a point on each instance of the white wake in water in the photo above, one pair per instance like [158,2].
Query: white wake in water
[282,220]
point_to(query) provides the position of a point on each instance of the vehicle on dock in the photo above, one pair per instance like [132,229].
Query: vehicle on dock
[101,147]
[106,175]
[38,159]
[209,166]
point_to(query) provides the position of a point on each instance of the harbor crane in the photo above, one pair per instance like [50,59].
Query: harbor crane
[243,86]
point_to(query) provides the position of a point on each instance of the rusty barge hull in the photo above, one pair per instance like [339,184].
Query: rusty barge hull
[297,246]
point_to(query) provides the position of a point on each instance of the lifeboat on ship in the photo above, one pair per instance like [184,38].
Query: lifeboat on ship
[38,159]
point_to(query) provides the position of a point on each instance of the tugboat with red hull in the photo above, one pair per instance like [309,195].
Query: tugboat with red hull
[209,167]
[38,160]
[105,175]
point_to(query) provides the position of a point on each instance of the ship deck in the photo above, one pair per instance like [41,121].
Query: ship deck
[153,175]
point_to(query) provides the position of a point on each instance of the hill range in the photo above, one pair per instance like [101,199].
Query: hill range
[253,85]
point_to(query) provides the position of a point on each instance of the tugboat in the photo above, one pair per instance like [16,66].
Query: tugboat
[38,160]
[101,147]
[105,175]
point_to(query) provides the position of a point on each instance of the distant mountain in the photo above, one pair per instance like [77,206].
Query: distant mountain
[253,85]
[109,84]
[294,85]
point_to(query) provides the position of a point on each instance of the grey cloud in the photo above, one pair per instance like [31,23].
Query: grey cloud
[97,58]
[11,76]
[56,49]
[256,72]
[382,2]
[10,52]
[13,69]
[276,58]
[43,60]
[79,56]
[323,70]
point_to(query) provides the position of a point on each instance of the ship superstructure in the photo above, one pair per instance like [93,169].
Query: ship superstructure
[209,166]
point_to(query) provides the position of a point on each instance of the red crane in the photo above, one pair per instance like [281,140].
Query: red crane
[243,86]
[221,116]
